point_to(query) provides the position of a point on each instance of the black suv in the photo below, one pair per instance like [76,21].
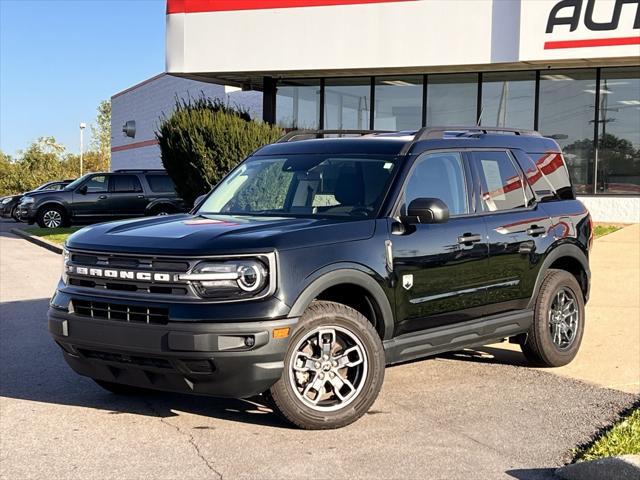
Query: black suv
[318,261]
[9,204]
[103,196]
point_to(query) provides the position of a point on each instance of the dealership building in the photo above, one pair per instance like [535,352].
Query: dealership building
[570,69]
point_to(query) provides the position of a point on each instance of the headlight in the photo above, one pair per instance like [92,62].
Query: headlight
[5,200]
[27,200]
[231,279]
[65,260]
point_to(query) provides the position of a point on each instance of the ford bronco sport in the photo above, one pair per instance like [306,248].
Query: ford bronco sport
[319,260]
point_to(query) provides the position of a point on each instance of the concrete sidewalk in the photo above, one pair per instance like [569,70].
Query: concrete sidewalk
[610,352]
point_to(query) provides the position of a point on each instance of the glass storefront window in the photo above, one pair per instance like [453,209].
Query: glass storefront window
[398,103]
[347,103]
[508,99]
[452,99]
[567,113]
[298,104]
[619,131]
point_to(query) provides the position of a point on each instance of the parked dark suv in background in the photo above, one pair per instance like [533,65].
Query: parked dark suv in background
[9,204]
[318,261]
[103,196]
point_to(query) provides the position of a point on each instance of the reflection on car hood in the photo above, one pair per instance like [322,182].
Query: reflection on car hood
[207,235]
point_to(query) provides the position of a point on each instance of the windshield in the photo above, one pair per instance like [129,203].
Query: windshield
[304,185]
[76,182]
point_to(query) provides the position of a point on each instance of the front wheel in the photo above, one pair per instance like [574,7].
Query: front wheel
[333,369]
[52,217]
[555,336]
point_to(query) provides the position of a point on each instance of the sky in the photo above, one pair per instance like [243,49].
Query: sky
[60,58]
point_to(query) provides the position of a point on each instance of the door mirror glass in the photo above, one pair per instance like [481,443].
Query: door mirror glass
[426,210]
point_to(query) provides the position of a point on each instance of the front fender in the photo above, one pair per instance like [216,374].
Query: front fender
[346,273]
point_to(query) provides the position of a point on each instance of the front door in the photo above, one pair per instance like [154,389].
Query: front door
[441,269]
[91,199]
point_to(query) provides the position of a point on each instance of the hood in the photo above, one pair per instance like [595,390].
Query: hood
[211,235]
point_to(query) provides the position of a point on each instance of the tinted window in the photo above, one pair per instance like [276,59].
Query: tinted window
[439,175]
[298,103]
[347,103]
[125,183]
[500,183]
[452,99]
[97,184]
[161,183]
[398,104]
[508,99]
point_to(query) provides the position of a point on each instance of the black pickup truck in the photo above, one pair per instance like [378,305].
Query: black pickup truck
[320,260]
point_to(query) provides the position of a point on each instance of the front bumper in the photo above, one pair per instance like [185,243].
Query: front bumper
[26,213]
[179,357]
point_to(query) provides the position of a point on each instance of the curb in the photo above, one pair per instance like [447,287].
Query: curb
[41,242]
[625,467]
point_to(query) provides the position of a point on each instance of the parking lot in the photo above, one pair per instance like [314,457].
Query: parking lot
[458,416]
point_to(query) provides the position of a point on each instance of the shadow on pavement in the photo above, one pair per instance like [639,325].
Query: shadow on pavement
[533,474]
[33,368]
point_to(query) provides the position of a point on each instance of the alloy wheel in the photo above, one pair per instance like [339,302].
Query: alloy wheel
[328,368]
[564,317]
[52,219]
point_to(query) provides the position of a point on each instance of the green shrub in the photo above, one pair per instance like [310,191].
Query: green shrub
[202,140]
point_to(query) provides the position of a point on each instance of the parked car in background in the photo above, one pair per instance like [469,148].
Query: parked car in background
[9,204]
[103,196]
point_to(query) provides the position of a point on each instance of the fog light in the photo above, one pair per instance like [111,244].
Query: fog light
[249,342]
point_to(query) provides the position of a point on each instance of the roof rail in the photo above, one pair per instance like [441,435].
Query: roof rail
[306,134]
[433,133]
[139,170]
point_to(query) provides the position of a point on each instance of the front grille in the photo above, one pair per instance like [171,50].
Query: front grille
[126,359]
[122,261]
[119,312]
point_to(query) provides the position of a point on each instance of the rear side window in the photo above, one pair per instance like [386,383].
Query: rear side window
[125,183]
[501,185]
[161,184]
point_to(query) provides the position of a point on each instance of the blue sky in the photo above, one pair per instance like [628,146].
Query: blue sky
[59,59]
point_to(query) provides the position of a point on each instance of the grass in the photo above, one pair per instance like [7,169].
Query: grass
[602,230]
[55,235]
[623,438]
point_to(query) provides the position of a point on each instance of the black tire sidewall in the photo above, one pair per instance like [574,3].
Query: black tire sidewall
[322,314]
[44,210]
[541,345]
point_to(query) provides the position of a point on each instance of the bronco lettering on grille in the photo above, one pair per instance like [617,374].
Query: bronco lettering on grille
[119,274]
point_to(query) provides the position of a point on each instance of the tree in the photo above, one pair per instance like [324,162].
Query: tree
[101,136]
[203,139]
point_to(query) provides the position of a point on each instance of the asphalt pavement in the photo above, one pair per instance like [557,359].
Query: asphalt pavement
[453,417]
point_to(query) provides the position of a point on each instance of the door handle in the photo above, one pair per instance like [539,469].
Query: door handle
[140,196]
[469,238]
[102,197]
[535,230]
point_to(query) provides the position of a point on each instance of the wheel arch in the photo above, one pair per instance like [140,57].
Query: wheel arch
[570,258]
[337,284]
[56,203]
[158,202]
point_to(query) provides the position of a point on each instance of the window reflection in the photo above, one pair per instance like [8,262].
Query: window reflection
[567,112]
[347,103]
[452,99]
[508,99]
[298,104]
[398,103]
[619,131]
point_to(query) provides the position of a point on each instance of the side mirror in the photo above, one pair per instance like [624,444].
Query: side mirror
[199,201]
[83,190]
[426,210]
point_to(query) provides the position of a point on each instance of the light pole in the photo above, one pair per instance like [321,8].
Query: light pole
[82,127]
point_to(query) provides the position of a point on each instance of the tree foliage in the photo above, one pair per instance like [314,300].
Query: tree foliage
[203,139]
[101,133]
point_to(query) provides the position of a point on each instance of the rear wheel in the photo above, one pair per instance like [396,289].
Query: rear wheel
[334,368]
[121,389]
[556,334]
[52,217]
[162,210]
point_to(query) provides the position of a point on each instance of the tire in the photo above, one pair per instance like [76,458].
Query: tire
[52,217]
[554,341]
[335,329]
[162,210]
[14,214]
[121,389]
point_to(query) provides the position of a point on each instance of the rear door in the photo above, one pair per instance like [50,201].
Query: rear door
[519,231]
[441,269]
[127,198]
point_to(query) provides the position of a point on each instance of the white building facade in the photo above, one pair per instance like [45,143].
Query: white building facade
[568,68]
[137,111]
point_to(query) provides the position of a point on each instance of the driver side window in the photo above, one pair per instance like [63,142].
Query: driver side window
[438,175]
[97,184]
